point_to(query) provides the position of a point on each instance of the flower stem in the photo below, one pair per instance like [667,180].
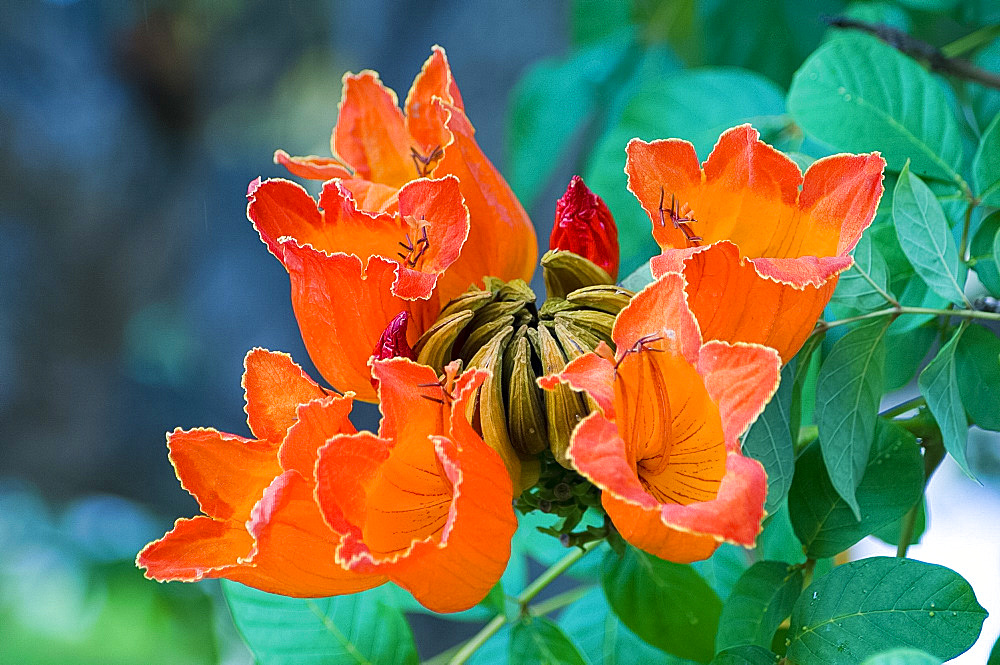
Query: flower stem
[823,326]
[903,407]
[523,599]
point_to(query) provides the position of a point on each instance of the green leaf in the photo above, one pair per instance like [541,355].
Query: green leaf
[978,370]
[697,105]
[543,126]
[857,94]
[865,607]
[769,441]
[985,101]
[909,288]
[666,604]
[994,654]
[723,568]
[889,533]
[639,279]
[603,639]
[903,657]
[807,365]
[939,385]
[760,601]
[855,292]
[985,249]
[904,353]
[929,5]
[494,650]
[892,484]
[539,640]
[735,33]
[745,655]
[925,237]
[356,629]
[848,391]
[986,165]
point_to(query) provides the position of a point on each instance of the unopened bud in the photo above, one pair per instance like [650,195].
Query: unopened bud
[392,343]
[584,226]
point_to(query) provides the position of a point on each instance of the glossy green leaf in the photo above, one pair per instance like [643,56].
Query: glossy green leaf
[903,657]
[697,105]
[904,352]
[807,365]
[938,384]
[603,639]
[889,533]
[769,441]
[856,291]
[985,101]
[986,165]
[977,365]
[910,290]
[723,568]
[357,628]
[994,654]
[745,655]
[848,391]
[925,237]
[985,250]
[543,126]
[639,278]
[730,37]
[760,601]
[892,484]
[539,640]
[494,650]
[866,607]
[666,604]
[858,94]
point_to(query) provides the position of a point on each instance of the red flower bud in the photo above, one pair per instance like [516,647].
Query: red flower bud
[584,226]
[392,343]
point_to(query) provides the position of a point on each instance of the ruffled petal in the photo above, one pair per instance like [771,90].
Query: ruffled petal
[294,553]
[660,173]
[318,421]
[281,208]
[591,372]
[734,516]
[741,379]
[659,313]
[371,134]
[312,167]
[353,229]
[342,308]
[840,195]
[372,196]
[422,122]
[502,241]
[644,528]
[456,572]
[598,452]
[412,402]
[733,302]
[274,387]
[195,549]
[225,473]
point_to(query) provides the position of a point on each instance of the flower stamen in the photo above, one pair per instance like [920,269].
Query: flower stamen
[423,164]
[679,222]
[642,344]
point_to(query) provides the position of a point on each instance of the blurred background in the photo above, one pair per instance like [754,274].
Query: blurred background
[132,285]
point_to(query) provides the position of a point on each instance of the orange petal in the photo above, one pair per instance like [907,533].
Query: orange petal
[735,514]
[225,473]
[659,312]
[592,372]
[598,452]
[195,549]
[295,550]
[734,303]
[502,240]
[658,174]
[422,122]
[370,134]
[274,386]
[456,572]
[372,196]
[840,195]
[350,229]
[741,379]
[342,309]
[318,421]
[279,208]
[412,402]
[645,529]
[312,167]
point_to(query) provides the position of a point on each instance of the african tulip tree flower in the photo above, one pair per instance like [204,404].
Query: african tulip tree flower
[584,226]
[378,148]
[761,245]
[313,508]
[663,444]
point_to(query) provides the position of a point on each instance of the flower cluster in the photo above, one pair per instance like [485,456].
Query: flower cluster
[407,280]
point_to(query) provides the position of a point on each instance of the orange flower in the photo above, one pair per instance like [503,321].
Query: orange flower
[314,508]
[380,155]
[261,525]
[663,445]
[761,257]
[426,502]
